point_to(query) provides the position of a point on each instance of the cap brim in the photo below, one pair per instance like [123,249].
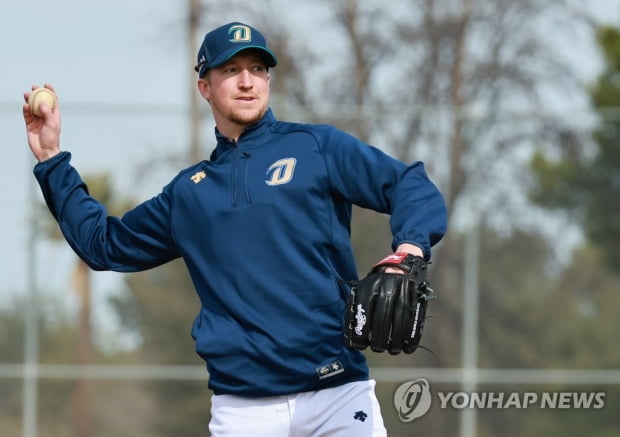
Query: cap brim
[270,57]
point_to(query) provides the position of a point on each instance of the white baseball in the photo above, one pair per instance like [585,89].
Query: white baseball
[37,97]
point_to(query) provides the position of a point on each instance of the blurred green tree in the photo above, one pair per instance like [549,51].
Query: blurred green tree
[82,418]
[587,185]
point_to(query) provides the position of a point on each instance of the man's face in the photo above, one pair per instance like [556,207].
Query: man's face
[238,91]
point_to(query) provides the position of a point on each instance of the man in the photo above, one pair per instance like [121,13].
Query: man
[263,227]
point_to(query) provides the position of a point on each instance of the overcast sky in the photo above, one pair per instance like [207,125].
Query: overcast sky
[93,52]
[113,52]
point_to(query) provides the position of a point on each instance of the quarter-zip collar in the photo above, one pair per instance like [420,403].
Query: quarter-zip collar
[225,144]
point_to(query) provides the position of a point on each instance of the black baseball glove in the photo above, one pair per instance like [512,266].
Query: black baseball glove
[387,310]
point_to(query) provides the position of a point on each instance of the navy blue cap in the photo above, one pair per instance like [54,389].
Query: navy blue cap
[226,41]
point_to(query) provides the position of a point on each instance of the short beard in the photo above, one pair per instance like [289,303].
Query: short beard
[247,119]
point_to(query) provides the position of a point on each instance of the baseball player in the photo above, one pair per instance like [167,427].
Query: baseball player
[263,226]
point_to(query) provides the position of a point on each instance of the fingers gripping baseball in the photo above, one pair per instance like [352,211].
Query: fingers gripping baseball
[42,117]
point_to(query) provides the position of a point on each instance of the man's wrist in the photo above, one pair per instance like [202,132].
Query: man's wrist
[410,248]
[47,155]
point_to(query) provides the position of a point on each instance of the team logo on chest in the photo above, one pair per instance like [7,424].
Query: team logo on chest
[281,171]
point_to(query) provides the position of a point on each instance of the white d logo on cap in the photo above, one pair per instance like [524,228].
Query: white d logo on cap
[240,33]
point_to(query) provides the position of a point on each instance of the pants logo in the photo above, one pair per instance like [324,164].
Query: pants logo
[360,415]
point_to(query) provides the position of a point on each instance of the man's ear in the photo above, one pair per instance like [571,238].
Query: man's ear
[204,88]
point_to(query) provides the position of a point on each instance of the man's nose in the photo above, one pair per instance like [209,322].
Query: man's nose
[245,79]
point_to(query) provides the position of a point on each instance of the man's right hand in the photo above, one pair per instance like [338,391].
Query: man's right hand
[43,132]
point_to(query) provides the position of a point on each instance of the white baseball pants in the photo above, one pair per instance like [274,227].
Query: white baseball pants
[348,410]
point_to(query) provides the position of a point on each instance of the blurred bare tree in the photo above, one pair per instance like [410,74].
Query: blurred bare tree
[461,84]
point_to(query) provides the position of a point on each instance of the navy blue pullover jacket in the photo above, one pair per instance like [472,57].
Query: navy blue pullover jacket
[264,228]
